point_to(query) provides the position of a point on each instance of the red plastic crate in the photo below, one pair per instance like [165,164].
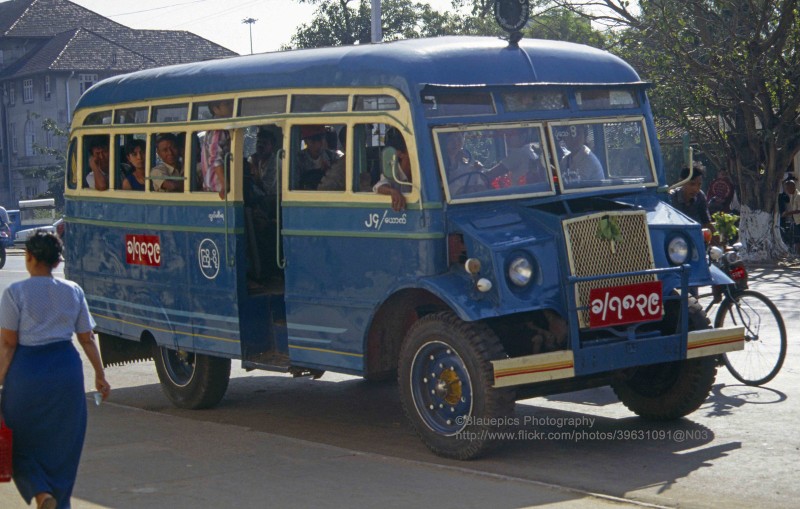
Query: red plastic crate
[5,452]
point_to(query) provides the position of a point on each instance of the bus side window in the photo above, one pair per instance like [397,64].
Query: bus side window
[96,162]
[366,159]
[318,164]
[167,160]
[131,154]
[72,164]
[210,150]
[370,142]
[194,170]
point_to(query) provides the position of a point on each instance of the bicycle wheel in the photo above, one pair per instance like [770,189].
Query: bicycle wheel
[764,337]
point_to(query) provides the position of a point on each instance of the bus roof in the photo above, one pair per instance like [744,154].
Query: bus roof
[405,65]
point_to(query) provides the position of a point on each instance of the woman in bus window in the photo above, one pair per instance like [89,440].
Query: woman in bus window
[135,154]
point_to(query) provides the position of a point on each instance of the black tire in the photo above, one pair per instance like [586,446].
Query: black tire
[764,337]
[667,391]
[445,378]
[190,380]
[2,257]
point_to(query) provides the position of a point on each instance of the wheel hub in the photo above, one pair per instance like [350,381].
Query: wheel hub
[448,386]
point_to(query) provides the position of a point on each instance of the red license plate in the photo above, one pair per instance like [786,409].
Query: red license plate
[738,273]
[622,305]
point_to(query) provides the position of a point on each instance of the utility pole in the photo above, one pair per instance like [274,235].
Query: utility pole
[250,22]
[375,21]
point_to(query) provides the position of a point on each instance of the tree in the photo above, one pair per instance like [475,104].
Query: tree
[729,72]
[54,173]
[346,22]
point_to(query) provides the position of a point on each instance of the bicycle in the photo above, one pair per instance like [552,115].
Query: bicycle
[765,333]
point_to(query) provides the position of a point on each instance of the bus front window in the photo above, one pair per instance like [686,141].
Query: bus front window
[602,154]
[494,162]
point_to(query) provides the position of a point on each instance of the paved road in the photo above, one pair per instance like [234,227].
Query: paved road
[342,442]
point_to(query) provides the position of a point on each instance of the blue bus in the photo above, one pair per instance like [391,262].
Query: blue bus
[526,248]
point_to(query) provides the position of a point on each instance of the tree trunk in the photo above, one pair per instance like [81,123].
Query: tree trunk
[760,235]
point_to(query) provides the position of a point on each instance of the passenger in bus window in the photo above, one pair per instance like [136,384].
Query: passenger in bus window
[98,163]
[170,166]
[216,145]
[313,160]
[580,163]
[398,169]
[135,152]
[264,162]
[334,178]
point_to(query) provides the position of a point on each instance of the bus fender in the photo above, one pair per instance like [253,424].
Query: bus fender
[462,297]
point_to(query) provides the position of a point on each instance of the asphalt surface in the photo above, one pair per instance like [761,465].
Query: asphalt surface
[135,458]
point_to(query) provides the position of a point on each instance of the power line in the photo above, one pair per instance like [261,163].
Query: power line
[154,9]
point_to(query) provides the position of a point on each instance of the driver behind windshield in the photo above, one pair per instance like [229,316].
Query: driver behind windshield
[579,163]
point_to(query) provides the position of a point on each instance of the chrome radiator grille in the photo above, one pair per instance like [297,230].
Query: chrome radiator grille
[591,255]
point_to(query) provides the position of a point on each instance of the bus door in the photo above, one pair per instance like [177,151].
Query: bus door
[262,309]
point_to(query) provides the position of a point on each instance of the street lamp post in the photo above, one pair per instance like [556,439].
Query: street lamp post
[250,22]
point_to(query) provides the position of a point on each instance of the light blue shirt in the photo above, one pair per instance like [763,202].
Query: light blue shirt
[45,310]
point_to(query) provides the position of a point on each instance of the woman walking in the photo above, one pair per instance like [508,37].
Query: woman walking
[44,402]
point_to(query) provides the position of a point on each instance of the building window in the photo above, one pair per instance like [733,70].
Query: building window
[13,128]
[47,88]
[12,94]
[27,91]
[30,137]
[86,81]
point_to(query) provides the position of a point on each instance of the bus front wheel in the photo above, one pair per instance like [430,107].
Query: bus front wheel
[445,377]
[191,380]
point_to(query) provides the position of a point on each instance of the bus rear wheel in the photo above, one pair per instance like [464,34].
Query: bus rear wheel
[445,377]
[191,380]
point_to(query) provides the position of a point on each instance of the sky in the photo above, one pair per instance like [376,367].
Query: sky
[219,21]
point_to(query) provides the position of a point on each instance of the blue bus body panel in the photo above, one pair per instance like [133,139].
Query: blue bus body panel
[401,64]
[341,264]
[191,296]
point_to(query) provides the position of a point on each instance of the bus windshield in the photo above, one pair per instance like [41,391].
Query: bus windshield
[489,162]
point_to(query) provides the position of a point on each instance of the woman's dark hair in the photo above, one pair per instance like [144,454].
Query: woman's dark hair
[133,144]
[46,247]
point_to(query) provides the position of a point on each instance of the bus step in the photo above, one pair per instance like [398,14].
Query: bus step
[269,361]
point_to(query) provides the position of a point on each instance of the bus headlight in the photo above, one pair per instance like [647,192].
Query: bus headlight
[520,271]
[678,250]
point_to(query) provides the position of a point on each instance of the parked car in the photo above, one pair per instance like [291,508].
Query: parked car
[57,228]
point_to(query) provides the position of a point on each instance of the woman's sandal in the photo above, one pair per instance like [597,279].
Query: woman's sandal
[48,502]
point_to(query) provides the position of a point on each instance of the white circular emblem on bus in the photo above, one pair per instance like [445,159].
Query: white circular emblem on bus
[208,258]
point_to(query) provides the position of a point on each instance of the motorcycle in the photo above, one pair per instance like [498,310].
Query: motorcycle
[5,238]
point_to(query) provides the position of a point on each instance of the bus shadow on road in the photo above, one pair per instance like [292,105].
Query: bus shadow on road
[539,444]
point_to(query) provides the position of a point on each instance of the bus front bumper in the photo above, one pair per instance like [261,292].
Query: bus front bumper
[561,364]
